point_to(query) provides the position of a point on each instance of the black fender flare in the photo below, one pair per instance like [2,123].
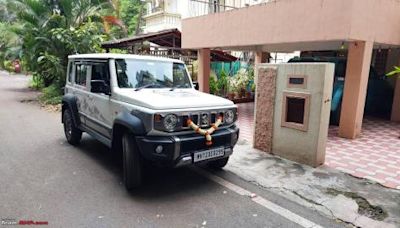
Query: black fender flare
[131,122]
[70,101]
[125,121]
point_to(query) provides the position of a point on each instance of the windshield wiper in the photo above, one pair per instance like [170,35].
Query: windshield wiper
[146,86]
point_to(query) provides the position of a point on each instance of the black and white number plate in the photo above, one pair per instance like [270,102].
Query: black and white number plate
[213,153]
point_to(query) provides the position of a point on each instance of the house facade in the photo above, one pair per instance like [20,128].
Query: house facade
[168,14]
[362,27]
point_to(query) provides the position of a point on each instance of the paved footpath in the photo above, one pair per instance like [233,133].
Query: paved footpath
[375,155]
[45,179]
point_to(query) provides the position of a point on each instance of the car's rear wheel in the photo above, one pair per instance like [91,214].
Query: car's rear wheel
[219,164]
[72,133]
[132,162]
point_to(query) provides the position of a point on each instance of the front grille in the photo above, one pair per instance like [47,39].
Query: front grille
[185,118]
[205,120]
[213,117]
[195,118]
[202,119]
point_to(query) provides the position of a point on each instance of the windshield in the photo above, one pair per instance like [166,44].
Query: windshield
[132,73]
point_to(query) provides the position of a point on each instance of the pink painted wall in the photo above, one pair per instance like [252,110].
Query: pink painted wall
[296,23]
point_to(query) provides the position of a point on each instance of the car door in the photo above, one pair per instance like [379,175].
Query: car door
[80,88]
[98,112]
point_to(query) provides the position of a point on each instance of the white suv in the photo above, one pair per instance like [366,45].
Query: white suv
[148,109]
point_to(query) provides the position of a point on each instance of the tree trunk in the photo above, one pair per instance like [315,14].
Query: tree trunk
[139,20]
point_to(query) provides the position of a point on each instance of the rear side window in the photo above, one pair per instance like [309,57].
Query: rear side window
[80,75]
[70,69]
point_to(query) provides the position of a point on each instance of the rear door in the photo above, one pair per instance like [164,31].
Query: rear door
[80,87]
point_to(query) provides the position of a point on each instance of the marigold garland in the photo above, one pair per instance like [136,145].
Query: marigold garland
[206,133]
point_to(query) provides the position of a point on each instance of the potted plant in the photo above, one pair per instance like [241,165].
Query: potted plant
[214,89]
[242,81]
[223,83]
[240,91]
[253,89]
[231,89]
[252,85]
[248,94]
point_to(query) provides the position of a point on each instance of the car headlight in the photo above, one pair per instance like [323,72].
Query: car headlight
[229,116]
[170,121]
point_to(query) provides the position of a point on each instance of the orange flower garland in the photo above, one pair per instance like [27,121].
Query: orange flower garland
[206,133]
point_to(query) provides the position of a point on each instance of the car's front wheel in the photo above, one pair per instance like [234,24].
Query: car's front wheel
[72,133]
[132,162]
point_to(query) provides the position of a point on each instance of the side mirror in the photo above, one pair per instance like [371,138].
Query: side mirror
[100,86]
[196,85]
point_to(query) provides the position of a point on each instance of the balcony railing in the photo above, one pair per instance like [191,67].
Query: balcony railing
[161,22]
[204,7]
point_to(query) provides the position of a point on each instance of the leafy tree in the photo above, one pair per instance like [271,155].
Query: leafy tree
[44,32]
[132,13]
[10,43]
[52,30]
[112,18]
[6,15]
[126,15]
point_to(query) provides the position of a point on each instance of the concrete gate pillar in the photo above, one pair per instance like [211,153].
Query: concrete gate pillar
[203,76]
[355,88]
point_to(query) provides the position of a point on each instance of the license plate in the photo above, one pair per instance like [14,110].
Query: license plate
[208,154]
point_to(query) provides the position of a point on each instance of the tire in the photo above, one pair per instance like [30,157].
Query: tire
[132,163]
[219,164]
[72,133]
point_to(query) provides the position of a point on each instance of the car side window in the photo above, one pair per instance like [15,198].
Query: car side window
[100,72]
[70,71]
[122,76]
[80,75]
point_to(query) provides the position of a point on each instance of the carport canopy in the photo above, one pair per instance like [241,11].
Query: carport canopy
[169,39]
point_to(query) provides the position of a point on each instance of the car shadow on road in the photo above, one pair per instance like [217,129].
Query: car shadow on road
[159,182]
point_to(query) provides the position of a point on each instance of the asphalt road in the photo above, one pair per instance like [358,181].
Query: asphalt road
[43,178]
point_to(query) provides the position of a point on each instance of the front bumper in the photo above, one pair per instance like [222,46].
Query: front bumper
[179,150]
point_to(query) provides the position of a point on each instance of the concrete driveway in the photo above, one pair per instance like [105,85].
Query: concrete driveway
[43,178]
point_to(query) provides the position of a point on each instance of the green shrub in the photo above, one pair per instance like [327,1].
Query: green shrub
[253,87]
[241,80]
[214,83]
[51,95]
[250,72]
[36,82]
[232,85]
[223,82]
[8,66]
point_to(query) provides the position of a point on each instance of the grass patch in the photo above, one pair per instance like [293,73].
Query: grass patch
[51,95]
